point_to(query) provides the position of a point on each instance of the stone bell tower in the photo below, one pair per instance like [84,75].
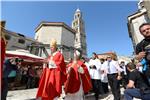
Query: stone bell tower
[80,36]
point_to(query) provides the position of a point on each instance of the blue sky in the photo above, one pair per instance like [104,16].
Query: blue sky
[105,22]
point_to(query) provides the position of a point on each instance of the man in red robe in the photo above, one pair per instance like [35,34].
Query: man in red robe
[78,80]
[3,50]
[3,45]
[54,75]
[2,53]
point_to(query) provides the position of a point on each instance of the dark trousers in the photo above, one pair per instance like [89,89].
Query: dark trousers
[24,79]
[97,87]
[124,81]
[4,88]
[37,79]
[30,83]
[114,85]
[105,87]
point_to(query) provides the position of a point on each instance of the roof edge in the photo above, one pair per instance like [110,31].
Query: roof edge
[46,23]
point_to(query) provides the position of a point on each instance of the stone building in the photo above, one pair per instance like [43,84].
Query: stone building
[136,19]
[146,5]
[80,36]
[104,55]
[17,41]
[64,35]
[67,38]
[126,59]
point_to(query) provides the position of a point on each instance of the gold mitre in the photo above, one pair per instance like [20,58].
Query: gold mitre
[53,42]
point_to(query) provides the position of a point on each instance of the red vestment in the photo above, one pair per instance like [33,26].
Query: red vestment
[52,79]
[3,45]
[73,83]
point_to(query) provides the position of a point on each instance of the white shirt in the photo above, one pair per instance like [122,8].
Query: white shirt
[95,73]
[124,70]
[104,75]
[112,67]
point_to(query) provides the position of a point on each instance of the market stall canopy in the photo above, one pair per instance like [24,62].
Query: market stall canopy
[25,55]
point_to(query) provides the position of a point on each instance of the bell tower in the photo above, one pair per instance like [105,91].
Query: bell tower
[80,37]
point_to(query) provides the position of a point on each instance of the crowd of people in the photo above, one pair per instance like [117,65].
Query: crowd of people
[79,77]
[16,76]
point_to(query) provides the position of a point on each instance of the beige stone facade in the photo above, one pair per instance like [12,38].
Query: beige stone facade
[80,36]
[126,59]
[61,32]
[104,55]
[58,30]
[16,40]
[146,4]
[136,19]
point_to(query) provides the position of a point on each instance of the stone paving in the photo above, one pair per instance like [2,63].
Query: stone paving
[30,94]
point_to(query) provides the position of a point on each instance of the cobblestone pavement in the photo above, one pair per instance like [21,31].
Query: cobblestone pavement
[30,94]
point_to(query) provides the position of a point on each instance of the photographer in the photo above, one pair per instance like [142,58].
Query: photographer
[9,74]
[143,50]
[140,48]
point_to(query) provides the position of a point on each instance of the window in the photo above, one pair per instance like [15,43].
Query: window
[78,15]
[22,41]
[7,37]
[76,39]
[74,24]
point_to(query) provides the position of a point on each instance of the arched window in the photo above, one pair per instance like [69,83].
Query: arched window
[78,15]
[76,39]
